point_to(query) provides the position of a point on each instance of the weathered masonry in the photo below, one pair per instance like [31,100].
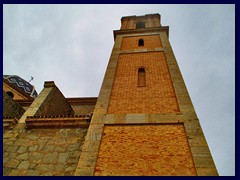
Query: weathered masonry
[144,122]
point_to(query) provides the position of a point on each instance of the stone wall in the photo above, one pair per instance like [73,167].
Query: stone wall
[11,108]
[34,152]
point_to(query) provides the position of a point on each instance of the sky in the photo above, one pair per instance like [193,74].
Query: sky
[71,45]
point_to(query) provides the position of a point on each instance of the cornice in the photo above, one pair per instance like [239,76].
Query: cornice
[82,101]
[144,30]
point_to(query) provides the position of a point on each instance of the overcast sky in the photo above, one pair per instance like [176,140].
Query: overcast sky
[71,45]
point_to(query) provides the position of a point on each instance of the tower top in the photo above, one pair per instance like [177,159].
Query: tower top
[137,22]
[141,24]
[143,16]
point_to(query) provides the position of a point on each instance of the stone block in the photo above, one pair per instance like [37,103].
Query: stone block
[84,172]
[115,119]
[94,136]
[23,156]
[161,118]
[44,168]
[201,155]
[91,146]
[23,165]
[70,168]
[134,118]
[199,149]
[98,119]
[13,163]
[49,84]
[12,148]
[207,172]
[32,173]
[87,160]
[62,157]
[203,162]
[50,157]
[96,128]
[196,141]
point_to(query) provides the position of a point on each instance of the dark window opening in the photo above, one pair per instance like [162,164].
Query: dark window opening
[140,25]
[141,77]
[10,94]
[140,42]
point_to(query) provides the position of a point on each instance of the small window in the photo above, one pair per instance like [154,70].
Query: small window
[140,25]
[10,94]
[140,42]
[141,77]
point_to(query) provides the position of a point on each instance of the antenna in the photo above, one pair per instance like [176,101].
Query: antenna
[31,79]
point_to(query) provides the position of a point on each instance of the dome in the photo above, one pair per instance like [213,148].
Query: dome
[22,84]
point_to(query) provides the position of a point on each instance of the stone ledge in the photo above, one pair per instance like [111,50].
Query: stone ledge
[86,171]
[142,118]
[58,122]
[135,51]
[49,84]
[9,123]
[82,101]
[144,30]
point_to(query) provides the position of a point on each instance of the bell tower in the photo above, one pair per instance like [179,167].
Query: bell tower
[144,122]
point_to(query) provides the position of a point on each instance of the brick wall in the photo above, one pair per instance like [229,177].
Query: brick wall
[144,150]
[150,42]
[34,152]
[157,97]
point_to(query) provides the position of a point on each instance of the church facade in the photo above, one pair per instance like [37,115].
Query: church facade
[142,123]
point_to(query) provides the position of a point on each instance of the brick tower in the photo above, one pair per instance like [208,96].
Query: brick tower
[144,122]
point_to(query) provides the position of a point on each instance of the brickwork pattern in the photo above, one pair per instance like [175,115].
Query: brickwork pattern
[157,97]
[150,42]
[146,150]
[41,152]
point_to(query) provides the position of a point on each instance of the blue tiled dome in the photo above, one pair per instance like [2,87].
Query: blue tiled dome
[22,84]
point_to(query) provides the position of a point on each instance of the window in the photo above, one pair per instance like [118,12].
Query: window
[140,25]
[141,77]
[140,42]
[10,94]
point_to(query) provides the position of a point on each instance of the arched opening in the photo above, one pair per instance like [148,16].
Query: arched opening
[140,25]
[140,42]
[10,94]
[141,77]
